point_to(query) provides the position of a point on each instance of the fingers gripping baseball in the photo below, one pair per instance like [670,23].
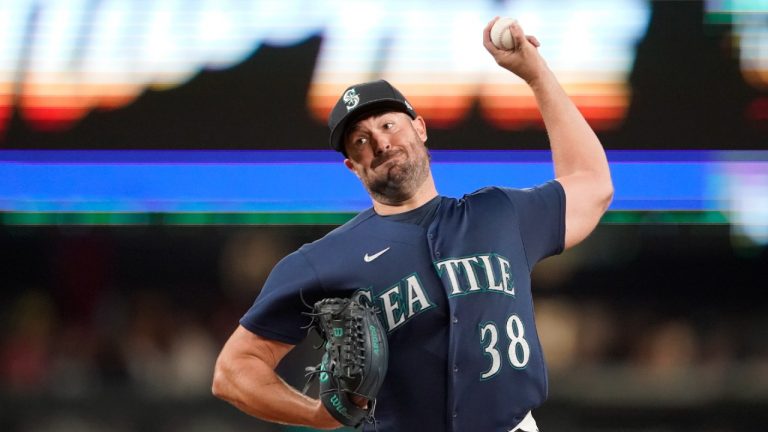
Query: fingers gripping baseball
[514,50]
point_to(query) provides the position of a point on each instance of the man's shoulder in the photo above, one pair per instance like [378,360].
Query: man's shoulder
[488,193]
[514,199]
[513,193]
[340,235]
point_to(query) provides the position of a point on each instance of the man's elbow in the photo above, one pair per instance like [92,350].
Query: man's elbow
[596,189]
[600,186]
[607,195]
[220,386]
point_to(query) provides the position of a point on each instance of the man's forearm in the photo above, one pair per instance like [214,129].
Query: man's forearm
[257,390]
[575,147]
[245,377]
[579,160]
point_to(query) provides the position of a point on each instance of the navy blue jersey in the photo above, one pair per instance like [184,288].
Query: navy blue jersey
[455,298]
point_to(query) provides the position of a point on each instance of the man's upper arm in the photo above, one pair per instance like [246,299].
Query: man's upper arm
[279,312]
[587,197]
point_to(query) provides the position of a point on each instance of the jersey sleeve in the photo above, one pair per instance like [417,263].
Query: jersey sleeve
[278,313]
[540,213]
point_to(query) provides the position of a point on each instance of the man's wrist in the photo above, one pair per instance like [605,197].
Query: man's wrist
[322,419]
[540,79]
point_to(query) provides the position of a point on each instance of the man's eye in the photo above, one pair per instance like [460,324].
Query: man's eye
[389,125]
[361,141]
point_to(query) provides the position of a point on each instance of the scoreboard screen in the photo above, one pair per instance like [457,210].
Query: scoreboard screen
[112,111]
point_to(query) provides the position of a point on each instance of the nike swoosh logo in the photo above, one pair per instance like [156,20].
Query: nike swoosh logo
[369,258]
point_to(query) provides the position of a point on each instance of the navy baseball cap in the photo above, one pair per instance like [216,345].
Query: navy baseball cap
[361,99]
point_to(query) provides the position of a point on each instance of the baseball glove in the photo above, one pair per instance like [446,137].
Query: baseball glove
[355,360]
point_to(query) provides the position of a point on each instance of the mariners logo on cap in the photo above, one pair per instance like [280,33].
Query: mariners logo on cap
[351,99]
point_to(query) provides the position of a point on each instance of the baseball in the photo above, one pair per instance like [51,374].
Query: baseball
[500,34]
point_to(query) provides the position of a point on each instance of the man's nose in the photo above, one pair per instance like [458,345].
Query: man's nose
[380,144]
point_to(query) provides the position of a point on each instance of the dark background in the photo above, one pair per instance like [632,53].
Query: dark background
[645,327]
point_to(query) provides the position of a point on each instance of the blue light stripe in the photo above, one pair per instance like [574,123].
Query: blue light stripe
[316,181]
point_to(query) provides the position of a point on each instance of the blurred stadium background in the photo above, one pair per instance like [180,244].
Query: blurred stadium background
[158,157]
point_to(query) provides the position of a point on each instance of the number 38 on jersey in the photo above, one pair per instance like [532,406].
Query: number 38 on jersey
[517,349]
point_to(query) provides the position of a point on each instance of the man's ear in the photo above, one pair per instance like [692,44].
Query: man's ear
[421,127]
[350,166]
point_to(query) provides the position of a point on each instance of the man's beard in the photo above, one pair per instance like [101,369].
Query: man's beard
[402,181]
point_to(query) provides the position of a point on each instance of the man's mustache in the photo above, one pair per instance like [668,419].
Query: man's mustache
[384,158]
